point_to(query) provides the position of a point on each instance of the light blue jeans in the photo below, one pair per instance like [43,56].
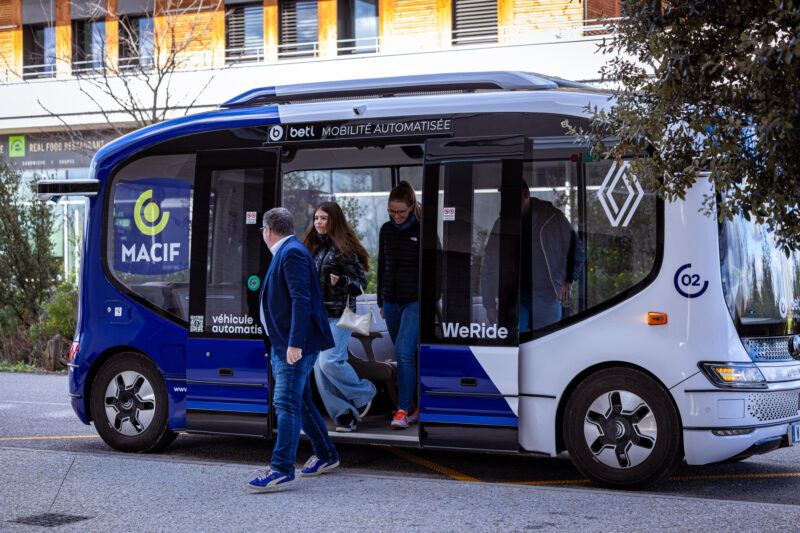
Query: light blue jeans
[402,321]
[338,384]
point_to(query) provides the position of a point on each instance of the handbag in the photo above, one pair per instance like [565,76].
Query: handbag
[354,322]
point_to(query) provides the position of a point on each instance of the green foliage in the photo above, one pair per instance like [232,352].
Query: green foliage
[27,267]
[58,316]
[372,275]
[19,366]
[709,86]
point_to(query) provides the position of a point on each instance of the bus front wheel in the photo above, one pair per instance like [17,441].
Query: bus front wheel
[129,404]
[621,429]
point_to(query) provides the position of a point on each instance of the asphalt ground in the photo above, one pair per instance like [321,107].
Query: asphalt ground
[51,463]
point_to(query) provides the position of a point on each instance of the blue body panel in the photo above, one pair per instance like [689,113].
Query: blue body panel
[141,330]
[444,399]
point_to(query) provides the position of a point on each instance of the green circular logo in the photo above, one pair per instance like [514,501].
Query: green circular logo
[253,283]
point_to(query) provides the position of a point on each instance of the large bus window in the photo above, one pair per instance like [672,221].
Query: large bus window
[603,239]
[412,175]
[147,229]
[362,194]
[620,236]
[470,268]
[552,256]
[235,262]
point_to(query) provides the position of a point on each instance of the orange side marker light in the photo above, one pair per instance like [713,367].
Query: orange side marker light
[656,319]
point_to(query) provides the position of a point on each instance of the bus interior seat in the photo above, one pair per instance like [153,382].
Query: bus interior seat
[162,294]
[382,373]
[180,299]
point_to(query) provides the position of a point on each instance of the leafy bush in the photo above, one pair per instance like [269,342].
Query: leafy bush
[58,316]
[28,269]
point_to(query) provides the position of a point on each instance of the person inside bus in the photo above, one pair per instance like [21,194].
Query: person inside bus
[340,260]
[547,264]
[398,282]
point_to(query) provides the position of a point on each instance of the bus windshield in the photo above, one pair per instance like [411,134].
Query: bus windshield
[761,284]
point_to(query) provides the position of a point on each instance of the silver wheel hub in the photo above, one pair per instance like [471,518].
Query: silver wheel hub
[130,403]
[620,429]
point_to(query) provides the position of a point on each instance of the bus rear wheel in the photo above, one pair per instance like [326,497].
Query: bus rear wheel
[621,429]
[129,404]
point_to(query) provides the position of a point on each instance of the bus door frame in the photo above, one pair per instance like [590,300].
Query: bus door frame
[469,389]
[228,377]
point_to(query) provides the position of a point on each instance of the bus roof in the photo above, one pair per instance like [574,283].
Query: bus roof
[402,85]
[422,94]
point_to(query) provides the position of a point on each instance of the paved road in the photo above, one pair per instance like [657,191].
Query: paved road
[198,484]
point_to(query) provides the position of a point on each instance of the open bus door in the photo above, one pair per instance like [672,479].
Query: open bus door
[227,374]
[469,356]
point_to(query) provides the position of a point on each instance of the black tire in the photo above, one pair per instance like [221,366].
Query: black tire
[621,429]
[129,404]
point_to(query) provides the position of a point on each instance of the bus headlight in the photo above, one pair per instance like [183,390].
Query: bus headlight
[781,373]
[735,375]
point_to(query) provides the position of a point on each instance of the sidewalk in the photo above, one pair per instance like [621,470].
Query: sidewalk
[141,493]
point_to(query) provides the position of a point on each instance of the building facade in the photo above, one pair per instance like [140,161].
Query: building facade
[75,74]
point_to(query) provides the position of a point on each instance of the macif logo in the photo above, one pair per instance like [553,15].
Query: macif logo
[150,213]
[151,228]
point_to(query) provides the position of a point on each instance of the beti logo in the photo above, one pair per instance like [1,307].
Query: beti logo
[276,133]
[150,213]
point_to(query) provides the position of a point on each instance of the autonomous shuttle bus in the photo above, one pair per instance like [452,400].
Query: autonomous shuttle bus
[563,305]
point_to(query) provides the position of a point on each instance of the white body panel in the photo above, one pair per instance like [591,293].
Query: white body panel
[698,328]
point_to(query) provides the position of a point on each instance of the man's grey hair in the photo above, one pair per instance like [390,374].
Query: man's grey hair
[279,220]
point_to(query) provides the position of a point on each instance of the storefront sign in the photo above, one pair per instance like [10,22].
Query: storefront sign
[50,151]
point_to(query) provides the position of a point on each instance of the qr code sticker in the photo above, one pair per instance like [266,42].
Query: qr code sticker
[196,323]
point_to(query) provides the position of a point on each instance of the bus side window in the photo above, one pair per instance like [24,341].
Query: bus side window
[147,230]
[602,239]
[362,194]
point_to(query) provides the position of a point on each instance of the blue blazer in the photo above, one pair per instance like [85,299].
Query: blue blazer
[291,300]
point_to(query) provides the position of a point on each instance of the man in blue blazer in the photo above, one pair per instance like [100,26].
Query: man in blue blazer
[295,330]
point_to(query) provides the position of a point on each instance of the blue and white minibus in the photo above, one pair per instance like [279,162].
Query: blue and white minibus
[676,340]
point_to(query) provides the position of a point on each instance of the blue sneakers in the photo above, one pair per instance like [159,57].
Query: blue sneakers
[267,479]
[316,466]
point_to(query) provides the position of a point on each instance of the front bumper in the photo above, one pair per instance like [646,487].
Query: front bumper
[704,408]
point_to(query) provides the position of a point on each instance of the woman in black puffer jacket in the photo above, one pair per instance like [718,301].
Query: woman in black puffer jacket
[340,260]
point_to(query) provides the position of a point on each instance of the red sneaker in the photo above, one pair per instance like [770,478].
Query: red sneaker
[400,420]
[413,418]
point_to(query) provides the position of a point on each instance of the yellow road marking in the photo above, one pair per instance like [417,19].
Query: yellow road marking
[51,438]
[554,482]
[733,476]
[449,472]
[454,474]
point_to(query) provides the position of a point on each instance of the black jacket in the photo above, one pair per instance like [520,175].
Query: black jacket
[329,260]
[398,263]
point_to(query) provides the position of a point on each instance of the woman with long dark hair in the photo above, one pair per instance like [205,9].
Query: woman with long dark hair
[398,282]
[341,261]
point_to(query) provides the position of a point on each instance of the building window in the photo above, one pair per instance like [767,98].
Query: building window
[136,42]
[474,21]
[298,28]
[88,45]
[244,33]
[358,26]
[38,51]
